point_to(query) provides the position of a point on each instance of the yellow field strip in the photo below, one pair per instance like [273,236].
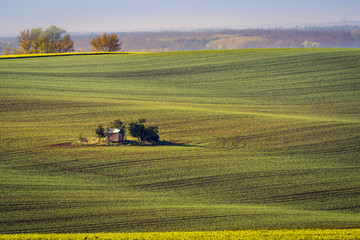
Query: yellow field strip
[247,234]
[63,54]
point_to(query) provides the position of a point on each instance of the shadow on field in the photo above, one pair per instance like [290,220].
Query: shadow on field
[125,143]
[152,144]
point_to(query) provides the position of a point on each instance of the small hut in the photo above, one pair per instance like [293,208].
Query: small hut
[115,135]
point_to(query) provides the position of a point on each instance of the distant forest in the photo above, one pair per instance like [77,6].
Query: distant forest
[164,41]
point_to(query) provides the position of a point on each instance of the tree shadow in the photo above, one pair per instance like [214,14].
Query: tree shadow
[156,143]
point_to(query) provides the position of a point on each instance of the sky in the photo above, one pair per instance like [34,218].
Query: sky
[139,15]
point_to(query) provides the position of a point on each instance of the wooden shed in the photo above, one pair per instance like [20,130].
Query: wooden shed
[115,135]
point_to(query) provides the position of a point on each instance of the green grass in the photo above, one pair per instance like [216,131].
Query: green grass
[266,139]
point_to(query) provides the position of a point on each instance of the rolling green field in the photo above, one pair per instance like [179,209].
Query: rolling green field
[256,139]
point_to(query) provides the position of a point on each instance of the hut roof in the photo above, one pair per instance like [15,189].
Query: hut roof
[114,130]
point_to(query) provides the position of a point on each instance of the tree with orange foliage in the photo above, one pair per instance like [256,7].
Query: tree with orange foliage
[51,40]
[106,43]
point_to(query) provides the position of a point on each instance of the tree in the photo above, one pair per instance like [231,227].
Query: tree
[15,51]
[25,41]
[106,43]
[100,131]
[152,134]
[6,51]
[34,39]
[51,40]
[117,124]
[137,130]
[356,35]
[67,45]
[142,133]
[52,37]
[308,44]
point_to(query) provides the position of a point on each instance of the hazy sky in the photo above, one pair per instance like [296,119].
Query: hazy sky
[120,15]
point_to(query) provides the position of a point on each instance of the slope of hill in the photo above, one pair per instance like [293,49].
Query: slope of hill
[261,139]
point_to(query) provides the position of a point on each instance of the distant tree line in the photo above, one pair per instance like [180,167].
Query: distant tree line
[232,39]
[55,39]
